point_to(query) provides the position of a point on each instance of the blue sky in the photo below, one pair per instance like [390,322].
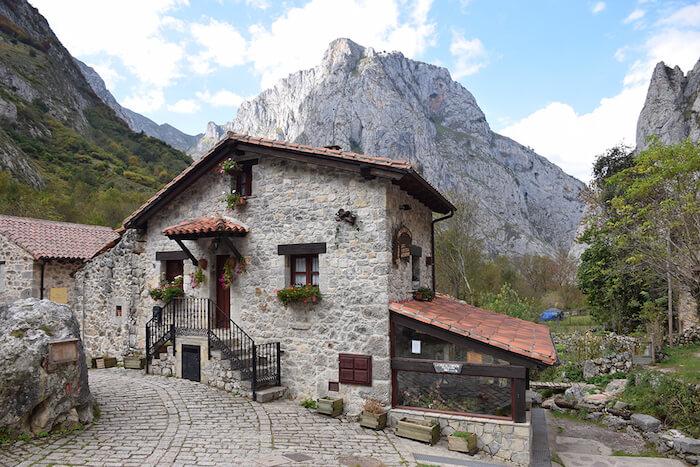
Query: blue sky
[567,78]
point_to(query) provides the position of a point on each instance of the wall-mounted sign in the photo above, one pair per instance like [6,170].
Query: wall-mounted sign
[402,245]
[62,351]
[455,368]
[415,346]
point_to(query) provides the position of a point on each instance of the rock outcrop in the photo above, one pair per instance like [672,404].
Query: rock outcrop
[384,104]
[36,396]
[137,122]
[672,107]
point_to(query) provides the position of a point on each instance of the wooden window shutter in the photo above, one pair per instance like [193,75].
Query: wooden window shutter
[355,369]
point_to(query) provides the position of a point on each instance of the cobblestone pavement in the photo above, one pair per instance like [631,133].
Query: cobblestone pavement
[152,420]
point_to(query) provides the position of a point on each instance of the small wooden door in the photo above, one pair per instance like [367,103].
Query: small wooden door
[223,295]
[191,362]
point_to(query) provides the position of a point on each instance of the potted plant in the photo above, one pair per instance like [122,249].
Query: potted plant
[462,441]
[234,200]
[419,430]
[299,294]
[134,361]
[424,294]
[197,278]
[332,406]
[373,415]
[168,290]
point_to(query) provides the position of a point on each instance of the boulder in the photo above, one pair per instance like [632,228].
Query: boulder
[590,369]
[551,405]
[578,391]
[36,395]
[597,399]
[614,421]
[620,405]
[645,422]
[616,387]
[687,445]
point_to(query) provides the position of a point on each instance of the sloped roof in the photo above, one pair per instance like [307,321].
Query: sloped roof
[205,225]
[401,172]
[514,335]
[45,239]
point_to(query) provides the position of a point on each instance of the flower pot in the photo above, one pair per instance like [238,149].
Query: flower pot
[419,430]
[241,201]
[465,442]
[375,421]
[134,363]
[330,406]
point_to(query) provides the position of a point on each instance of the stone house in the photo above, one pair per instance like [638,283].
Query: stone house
[256,223]
[38,257]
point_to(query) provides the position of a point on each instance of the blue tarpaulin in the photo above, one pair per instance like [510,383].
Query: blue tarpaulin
[552,314]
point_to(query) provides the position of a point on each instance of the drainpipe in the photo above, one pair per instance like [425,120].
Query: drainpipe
[432,239]
[41,281]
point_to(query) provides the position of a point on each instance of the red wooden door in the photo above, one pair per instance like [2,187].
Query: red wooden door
[223,295]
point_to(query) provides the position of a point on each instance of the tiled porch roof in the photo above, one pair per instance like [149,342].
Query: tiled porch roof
[515,335]
[206,225]
[45,239]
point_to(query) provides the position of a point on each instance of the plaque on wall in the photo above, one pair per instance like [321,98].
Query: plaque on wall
[455,368]
[402,245]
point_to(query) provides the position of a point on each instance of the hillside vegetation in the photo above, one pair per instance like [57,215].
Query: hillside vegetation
[64,155]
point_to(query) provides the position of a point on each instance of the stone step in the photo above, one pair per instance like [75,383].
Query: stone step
[269,394]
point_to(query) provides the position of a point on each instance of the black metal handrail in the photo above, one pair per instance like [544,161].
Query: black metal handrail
[259,363]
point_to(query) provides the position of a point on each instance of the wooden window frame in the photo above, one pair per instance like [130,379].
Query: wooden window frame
[244,180]
[309,269]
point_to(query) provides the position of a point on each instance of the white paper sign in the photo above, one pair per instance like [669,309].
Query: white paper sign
[415,346]
[455,368]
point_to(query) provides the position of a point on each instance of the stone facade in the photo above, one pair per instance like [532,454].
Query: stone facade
[16,272]
[502,439]
[687,311]
[292,202]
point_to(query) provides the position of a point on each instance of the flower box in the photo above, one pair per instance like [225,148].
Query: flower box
[375,421]
[135,363]
[419,430]
[104,362]
[330,406]
[462,441]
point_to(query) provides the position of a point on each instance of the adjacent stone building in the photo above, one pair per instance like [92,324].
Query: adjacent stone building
[268,264]
[38,257]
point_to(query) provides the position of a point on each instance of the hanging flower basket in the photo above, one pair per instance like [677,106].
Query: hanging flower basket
[197,278]
[232,269]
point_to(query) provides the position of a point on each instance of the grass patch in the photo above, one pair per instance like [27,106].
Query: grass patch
[648,451]
[19,333]
[685,362]
[571,323]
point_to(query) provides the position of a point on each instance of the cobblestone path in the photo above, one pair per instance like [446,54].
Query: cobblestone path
[151,420]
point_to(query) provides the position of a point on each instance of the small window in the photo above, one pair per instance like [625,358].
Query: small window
[244,180]
[415,269]
[355,369]
[118,311]
[173,268]
[304,270]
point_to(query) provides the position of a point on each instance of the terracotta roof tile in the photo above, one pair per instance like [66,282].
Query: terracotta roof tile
[515,335]
[203,225]
[45,239]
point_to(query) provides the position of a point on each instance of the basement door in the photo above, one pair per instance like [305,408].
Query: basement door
[191,363]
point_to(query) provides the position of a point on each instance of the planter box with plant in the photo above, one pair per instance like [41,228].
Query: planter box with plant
[134,362]
[373,415]
[424,294]
[104,362]
[299,294]
[233,200]
[419,430]
[168,290]
[330,406]
[462,441]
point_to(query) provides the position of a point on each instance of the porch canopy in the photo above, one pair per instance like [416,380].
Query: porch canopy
[219,227]
[449,356]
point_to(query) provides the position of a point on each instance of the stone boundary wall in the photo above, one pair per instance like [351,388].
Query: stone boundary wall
[503,440]
[619,363]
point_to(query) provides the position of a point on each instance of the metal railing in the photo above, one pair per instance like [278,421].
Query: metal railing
[258,363]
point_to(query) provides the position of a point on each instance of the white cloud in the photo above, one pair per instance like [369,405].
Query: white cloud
[144,101]
[184,106]
[469,56]
[261,4]
[221,46]
[221,98]
[636,15]
[598,7]
[572,140]
[107,72]
[297,39]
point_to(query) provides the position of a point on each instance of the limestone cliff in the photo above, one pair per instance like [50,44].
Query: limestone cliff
[672,107]
[384,104]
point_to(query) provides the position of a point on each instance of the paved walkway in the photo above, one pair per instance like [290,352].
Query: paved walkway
[151,420]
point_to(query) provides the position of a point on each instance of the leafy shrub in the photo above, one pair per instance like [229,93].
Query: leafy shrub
[667,398]
[168,290]
[299,294]
[507,301]
[373,406]
[309,404]
[424,294]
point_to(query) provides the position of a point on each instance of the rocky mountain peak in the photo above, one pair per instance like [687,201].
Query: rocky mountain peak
[672,107]
[384,104]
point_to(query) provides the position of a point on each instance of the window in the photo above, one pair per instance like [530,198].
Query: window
[304,269]
[118,311]
[355,369]
[173,268]
[415,270]
[244,180]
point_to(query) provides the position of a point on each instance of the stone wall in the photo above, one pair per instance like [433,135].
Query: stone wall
[113,279]
[618,363]
[687,311]
[504,440]
[17,277]
[57,274]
